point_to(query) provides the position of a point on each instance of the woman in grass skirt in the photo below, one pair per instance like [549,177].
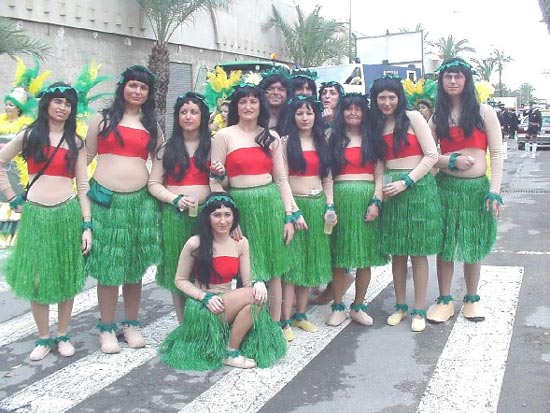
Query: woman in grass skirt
[46,265]
[471,204]
[222,326]
[357,195]
[179,178]
[305,151]
[253,158]
[411,218]
[126,217]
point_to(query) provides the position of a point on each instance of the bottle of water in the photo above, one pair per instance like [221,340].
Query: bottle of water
[330,220]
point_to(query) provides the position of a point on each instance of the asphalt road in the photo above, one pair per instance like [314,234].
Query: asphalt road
[501,365]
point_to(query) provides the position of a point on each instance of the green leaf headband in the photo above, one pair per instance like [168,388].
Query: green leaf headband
[356,94]
[306,99]
[53,89]
[391,76]
[278,70]
[309,74]
[190,95]
[132,68]
[454,63]
[335,85]
[220,198]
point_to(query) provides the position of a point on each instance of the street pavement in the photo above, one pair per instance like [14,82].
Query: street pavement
[501,365]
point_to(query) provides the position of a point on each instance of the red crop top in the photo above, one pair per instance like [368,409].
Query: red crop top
[412,149]
[353,163]
[313,165]
[226,268]
[248,161]
[57,167]
[135,143]
[458,141]
[193,176]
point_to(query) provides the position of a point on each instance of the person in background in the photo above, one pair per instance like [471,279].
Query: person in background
[303,83]
[534,126]
[425,108]
[277,90]
[329,95]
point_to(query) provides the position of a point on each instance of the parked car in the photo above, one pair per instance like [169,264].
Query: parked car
[543,139]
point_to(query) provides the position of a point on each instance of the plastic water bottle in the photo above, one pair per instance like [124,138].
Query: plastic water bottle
[330,220]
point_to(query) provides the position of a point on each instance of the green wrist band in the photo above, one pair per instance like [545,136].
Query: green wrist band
[176,200]
[288,218]
[16,201]
[409,183]
[452,161]
[296,214]
[206,298]
[491,196]
[87,225]
[375,201]
[329,207]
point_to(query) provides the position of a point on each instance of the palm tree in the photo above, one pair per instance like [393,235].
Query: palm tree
[165,16]
[484,68]
[525,93]
[500,60]
[449,47]
[311,40]
[15,41]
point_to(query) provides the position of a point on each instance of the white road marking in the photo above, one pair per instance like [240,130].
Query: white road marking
[521,252]
[24,324]
[249,390]
[468,375]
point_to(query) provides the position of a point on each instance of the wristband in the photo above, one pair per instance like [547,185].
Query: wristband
[288,218]
[218,177]
[206,298]
[329,207]
[491,196]
[176,200]
[375,201]
[256,282]
[409,183]
[296,214]
[87,225]
[16,201]
[452,161]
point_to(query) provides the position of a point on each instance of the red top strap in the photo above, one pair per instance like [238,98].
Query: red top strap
[226,268]
[412,149]
[57,167]
[193,176]
[353,163]
[248,161]
[458,141]
[135,143]
[313,165]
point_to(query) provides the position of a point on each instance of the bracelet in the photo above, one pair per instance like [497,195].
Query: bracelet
[218,177]
[87,225]
[296,214]
[409,183]
[256,282]
[375,201]
[206,298]
[176,200]
[288,218]
[16,201]
[452,161]
[329,207]
[491,196]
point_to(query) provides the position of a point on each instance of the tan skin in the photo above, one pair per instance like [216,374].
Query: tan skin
[329,99]
[276,97]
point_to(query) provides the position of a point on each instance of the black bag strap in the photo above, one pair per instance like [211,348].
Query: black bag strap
[46,164]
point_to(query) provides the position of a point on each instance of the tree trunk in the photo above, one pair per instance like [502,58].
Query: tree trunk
[159,63]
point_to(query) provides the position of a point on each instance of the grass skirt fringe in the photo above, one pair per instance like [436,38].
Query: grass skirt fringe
[200,342]
[355,243]
[46,265]
[469,231]
[411,221]
[309,251]
[126,238]
[262,218]
[177,227]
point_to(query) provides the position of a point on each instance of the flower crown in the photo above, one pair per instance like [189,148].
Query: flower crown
[277,70]
[139,68]
[190,95]
[53,89]
[306,99]
[220,198]
[335,85]
[309,74]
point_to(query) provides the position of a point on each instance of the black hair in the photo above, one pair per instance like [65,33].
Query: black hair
[339,88]
[264,138]
[470,116]
[378,119]
[295,154]
[203,255]
[274,78]
[297,82]
[113,114]
[36,137]
[339,139]
[176,158]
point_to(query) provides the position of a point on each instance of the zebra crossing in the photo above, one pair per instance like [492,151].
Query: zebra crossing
[91,381]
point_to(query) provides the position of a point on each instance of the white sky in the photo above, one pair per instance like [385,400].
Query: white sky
[514,27]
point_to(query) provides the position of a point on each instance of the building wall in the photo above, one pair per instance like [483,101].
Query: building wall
[117,34]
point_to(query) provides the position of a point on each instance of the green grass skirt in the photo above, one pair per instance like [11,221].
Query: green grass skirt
[469,231]
[355,243]
[411,221]
[309,250]
[200,342]
[46,264]
[126,238]
[262,219]
[177,227]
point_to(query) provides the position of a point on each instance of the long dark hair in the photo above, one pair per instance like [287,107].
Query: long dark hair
[295,154]
[470,116]
[339,139]
[298,81]
[37,135]
[378,120]
[264,138]
[176,158]
[203,255]
[113,114]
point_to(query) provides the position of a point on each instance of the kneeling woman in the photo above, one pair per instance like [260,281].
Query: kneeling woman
[222,326]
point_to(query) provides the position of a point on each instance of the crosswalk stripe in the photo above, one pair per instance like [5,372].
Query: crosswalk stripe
[24,324]
[249,390]
[469,373]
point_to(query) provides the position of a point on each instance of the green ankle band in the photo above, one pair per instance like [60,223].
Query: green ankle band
[44,342]
[110,328]
[421,313]
[401,307]
[62,338]
[300,316]
[131,323]
[471,298]
[358,307]
[232,353]
[284,323]
[445,299]
[338,307]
